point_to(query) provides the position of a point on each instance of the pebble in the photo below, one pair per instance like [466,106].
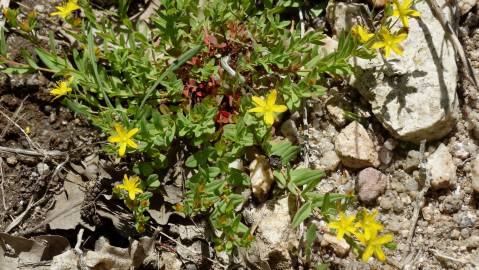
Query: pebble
[465,219]
[411,184]
[441,168]
[398,206]
[455,234]
[412,160]
[355,147]
[465,233]
[385,155]
[261,177]
[385,203]
[474,175]
[43,169]
[427,213]
[340,247]
[473,241]
[390,144]
[371,184]
[328,162]
[459,150]
[451,205]
[12,160]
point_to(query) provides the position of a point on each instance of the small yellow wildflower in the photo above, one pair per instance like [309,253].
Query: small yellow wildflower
[404,11]
[374,246]
[61,89]
[344,225]
[66,9]
[268,107]
[369,224]
[130,185]
[361,33]
[123,138]
[389,42]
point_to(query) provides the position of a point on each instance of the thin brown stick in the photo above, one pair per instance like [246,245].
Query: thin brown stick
[2,189]
[19,219]
[36,153]
[14,117]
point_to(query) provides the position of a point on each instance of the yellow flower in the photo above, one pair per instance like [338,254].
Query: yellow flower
[123,138]
[361,33]
[374,244]
[404,11]
[268,107]
[61,89]
[131,186]
[389,42]
[66,9]
[369,224]
[344,225]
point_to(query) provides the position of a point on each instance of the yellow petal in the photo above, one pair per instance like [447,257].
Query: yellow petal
[131,194]
[114,139]
[132,132]
[271,99]
[257,110]
[122,149]
[387,52]
[414,13]
[121,186]
[400,37]
[379,254]
[378,44]
[385,239]
[397,49]
[279,108]
[405,21]
[368,252]
[395,13]
[269,118]
[259,101]
[132,144]
[406,4]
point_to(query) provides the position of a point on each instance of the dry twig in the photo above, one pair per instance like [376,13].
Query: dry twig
[420,200]
[2,189]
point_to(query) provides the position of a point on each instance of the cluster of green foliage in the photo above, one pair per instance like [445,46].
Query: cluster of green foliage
[186,81]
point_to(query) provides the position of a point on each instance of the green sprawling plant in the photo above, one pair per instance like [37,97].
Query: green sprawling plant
[206,80]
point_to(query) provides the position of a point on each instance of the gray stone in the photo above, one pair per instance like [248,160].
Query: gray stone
[261,177]
[412,160]
[385,203]
[12,160]
[475,175]
[385,155]
[355,148]
[342,16]
[340,246]
[43,169]
[459,150]
[414,95]
[473,241]
[390,144]
[441,169]
[328,162]
[465,219]
[371,184]
[289,130]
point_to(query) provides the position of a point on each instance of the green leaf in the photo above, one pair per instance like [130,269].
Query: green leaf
[153,182]
[391,245]
[303,213]
[285,149]
[305,176]
[310,237]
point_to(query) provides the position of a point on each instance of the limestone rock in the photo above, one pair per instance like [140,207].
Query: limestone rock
[261,177]
[371,184]
[340,247]
[414,95]
[441,168]
[475,175]
[355,148]
[466,5]
[328,162]
[342,16]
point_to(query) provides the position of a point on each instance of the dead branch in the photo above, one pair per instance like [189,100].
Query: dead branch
[19,219]
[36,153]
[2,189]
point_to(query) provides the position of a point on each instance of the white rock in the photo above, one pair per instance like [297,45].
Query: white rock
[355,148]
[328,162]
[414,95]
[441,168]
[466,5]
[385,155]
[340,247]
[43,168]
[261,177]
[475,175]
[236,164]
[342,16]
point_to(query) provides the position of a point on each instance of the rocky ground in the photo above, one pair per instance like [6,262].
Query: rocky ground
[53,198]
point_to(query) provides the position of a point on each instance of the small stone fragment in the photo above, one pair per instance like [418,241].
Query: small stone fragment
[261,177]
[473,241]
[289,130]
[466,5]
[390,144]
[340,247]
[328,162]
[385,155]
[43,168]
[371,184]
[12,160]
[441,168]
[475,175]
[355,148]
